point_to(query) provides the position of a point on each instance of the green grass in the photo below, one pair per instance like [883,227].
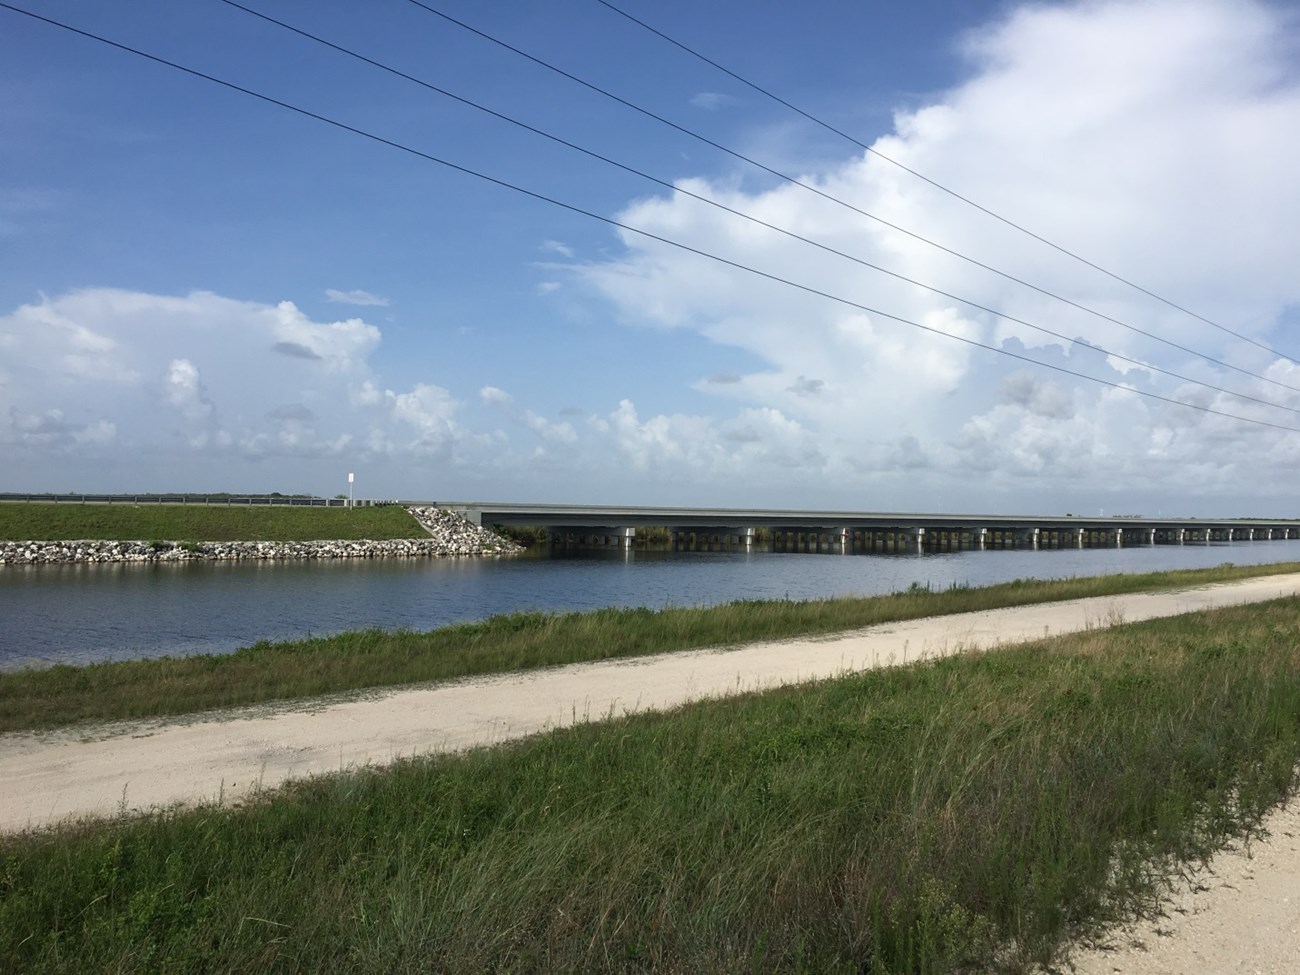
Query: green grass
[202,523]
[970,815]
[64,695]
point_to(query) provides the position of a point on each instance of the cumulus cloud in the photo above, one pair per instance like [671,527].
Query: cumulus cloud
[429,411]
[1154,138]
[548,430]
[1158,139]
[211,382]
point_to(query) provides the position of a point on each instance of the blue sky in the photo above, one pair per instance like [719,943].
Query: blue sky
[199,291]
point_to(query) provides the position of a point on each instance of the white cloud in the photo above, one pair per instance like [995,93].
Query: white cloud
[216,385]
[184,390]
[561,432]
[555,433]
[1155,138]
[355,297]
[429,410]
[768,447]
[557,247]
[499,397]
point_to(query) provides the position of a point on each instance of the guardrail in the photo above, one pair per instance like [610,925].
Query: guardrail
[199,499]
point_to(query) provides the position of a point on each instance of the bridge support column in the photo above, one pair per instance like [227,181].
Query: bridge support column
[916,540]
[983,535]
[1151,536]
[1033,539]
[842,540]
[626,537]
[1119,537]
[1078,538]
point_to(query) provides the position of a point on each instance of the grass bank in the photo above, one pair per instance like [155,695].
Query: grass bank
[968,815]
[202,523]
[64,695]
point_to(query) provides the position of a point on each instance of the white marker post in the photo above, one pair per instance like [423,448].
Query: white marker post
[351,478]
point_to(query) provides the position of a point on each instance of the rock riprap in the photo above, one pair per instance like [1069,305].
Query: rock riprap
[449,535]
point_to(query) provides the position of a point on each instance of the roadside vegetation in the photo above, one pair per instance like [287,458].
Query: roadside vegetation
[972,814]
[64,695]
[202,523]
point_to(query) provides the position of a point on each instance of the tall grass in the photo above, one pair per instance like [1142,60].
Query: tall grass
[970,815]
[200,523]
[63,695]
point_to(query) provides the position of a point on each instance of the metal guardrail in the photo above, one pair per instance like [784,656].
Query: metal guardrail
[196,499]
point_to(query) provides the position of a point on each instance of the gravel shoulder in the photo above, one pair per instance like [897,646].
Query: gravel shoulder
[1241,913]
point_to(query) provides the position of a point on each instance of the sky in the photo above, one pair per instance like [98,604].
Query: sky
[201,290]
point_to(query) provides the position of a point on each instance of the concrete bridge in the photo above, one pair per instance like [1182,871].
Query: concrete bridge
[856,531]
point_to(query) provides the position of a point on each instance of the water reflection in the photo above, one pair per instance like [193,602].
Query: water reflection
[81,613]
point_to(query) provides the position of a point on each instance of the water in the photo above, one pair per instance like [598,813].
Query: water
[83,613]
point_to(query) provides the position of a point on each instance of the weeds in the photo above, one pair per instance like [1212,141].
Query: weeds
[972,814]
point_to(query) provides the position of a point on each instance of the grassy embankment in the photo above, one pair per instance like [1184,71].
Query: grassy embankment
[202,523]
[63,695]
[971,814]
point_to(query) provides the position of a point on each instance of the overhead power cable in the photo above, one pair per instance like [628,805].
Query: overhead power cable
[940,186]
[834,199]
[741,214]
[572,208]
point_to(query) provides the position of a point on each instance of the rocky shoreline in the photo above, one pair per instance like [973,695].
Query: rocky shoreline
[449,535]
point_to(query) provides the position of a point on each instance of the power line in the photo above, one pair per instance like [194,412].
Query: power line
[940,186]
[745,216]
[343,126]
[827,196]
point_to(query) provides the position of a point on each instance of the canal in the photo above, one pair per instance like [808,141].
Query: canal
[83,613]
